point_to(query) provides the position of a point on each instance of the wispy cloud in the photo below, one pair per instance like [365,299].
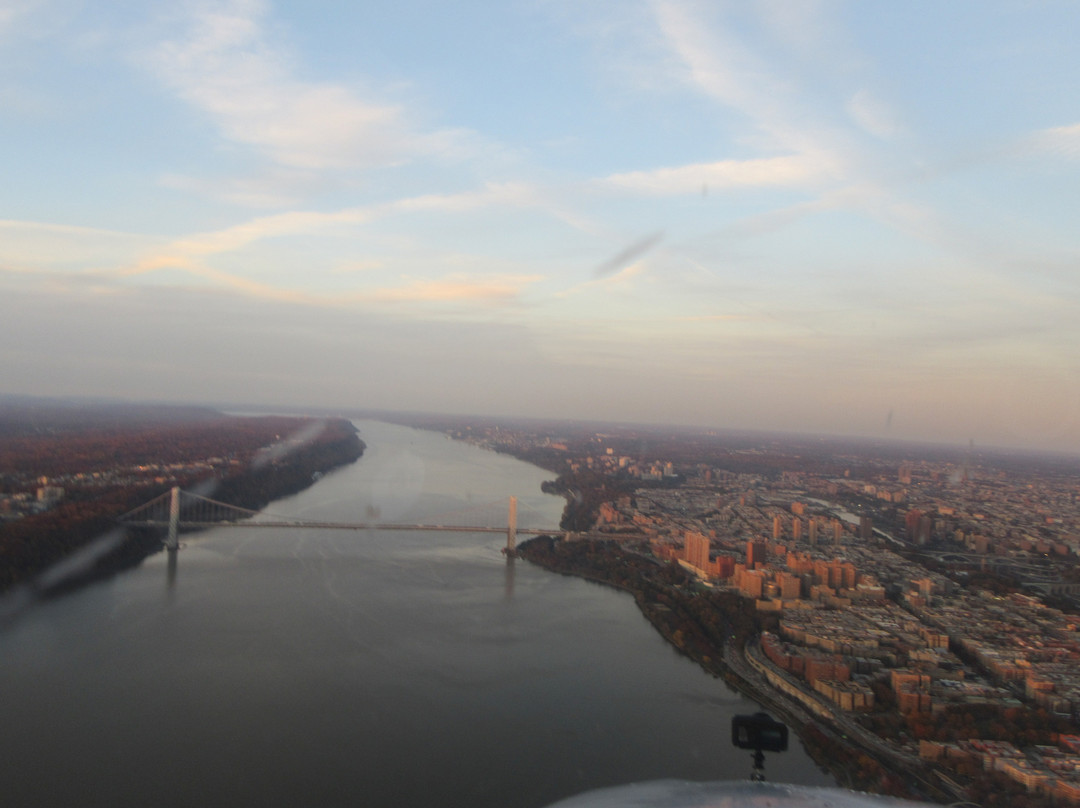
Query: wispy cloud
[723,69]
[515,194]
[11,10]
[31,246]
[873,115]
[1059,141]
[456,289]
[713,318]
[228,67]
[193,251]
[824,146]
[718,65]
[358,266]
[188,252]
[500,194]
[278,187]
[804,25]
[766,172]
[200,256]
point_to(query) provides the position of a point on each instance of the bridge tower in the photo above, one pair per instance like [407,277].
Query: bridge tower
[511,528]
[172,543]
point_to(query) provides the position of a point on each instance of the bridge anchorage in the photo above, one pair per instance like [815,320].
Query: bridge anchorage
[177,509]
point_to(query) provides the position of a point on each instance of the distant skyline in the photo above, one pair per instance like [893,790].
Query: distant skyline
[852,218]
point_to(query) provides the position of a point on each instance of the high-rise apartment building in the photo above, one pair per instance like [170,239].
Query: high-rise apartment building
[756,552]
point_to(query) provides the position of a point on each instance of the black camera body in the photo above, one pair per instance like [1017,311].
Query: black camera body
[759,732]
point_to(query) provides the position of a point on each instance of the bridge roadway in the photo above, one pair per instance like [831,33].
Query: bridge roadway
[528,531]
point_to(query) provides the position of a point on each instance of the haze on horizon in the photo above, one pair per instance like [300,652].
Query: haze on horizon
[816,216]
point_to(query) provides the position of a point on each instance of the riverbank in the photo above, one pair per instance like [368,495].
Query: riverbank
[713,628]
[698,624]
[281,470]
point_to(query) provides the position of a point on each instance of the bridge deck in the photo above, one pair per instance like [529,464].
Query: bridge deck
[528,531]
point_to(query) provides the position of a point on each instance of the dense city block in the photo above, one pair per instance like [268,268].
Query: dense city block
[915,602]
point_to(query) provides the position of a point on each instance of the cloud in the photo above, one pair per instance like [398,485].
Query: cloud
[227,67]
[505,194]
[1059,141]
[7,15]
[358,266]
[186,252]
[787,171]
[716,63]
[713,318]
[37,246]
[192,252]
[872,115]
[720,67]
[277,188]
[801,24]
[456,289]
[516,194]
[11,10]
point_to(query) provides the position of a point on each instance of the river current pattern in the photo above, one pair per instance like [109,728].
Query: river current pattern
[288,667]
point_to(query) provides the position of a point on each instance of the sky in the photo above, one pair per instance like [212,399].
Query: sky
[803,215]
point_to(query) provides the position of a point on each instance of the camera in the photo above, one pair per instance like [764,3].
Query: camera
[759,732]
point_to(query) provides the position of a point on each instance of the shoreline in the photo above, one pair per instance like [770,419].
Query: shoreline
[254,488]
[840,757]
[851,765]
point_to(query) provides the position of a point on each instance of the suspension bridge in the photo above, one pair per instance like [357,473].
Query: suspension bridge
[177,510]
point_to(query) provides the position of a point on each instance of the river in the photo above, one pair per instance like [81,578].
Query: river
[284,667]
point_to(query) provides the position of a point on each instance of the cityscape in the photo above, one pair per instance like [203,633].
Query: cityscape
[904,590]
[916,603]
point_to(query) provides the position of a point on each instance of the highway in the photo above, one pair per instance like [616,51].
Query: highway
[842,729]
